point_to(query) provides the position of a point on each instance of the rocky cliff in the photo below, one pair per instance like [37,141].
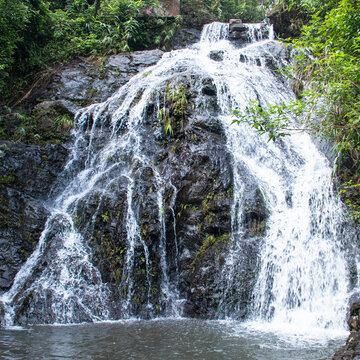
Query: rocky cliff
[197,215]
[27,171]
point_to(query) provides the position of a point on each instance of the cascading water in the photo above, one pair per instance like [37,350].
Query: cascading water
[291,224]
[303,277]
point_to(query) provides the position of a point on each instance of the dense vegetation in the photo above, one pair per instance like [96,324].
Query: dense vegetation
[330,65]
[35,34]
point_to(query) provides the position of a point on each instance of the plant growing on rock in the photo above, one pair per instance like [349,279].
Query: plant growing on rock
[174,108]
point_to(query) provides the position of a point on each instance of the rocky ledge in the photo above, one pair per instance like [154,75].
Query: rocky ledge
[351,350]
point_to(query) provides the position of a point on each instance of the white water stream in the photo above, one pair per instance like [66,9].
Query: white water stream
[303,277]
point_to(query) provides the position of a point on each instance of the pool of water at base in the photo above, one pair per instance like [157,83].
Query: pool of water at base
[163,339]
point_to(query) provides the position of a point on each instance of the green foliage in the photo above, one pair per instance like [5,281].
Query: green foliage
[351,193]
[199,12]
[174,108]
[273,120]
[35,34]
[330,64]
[196,13]
[78,32]
[248,11]
[24,27]
[210,242]
[105,217]
[63,123]
[166,32]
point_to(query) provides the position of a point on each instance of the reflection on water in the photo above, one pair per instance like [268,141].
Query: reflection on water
[159,339]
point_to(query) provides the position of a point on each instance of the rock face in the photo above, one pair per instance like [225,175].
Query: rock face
[27,173]
[87,80]
[185,38]
[351,350]
[237,30]
[154,211]
[287,23]
[196,203]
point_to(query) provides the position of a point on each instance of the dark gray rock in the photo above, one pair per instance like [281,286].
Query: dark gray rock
[216,55]
[241,34]
[146,58]
[351,350]
[27,173]
[196,167]
[88,80]
[237,30]
[185,38]
[60,106]
[119,62]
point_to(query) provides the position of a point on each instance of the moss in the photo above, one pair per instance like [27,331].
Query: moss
[207,243]
[105,217]
[4,219]
[7,180]
[92,92]
[210,217]
[257,227]
[210,242]
[78,220]
[208,202]
[109,254]
[24,253]
[187,208]
[229,193]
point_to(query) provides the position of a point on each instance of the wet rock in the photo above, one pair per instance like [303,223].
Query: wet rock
[185,37]
[60,106]
[189,219]
[351,350]
[241,34]
[216,55]
[146,58]
[2,314]
[354,319]
[119,62]
[88,80]
[27,173]
[237,30]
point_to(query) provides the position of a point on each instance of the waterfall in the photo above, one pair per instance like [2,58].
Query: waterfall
[300,273]
[303,276]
